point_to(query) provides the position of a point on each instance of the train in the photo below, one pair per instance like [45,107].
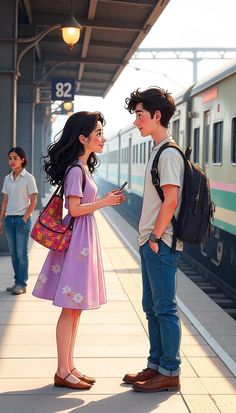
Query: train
[205,120]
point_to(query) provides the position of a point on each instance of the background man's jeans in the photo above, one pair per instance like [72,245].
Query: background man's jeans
[159,304]
[17,233]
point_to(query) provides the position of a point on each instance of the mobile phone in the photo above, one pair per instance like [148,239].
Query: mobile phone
[122,186]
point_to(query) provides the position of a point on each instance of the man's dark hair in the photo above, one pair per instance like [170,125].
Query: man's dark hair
[153,99]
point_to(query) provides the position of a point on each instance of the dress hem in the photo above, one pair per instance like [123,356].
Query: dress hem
[71,308]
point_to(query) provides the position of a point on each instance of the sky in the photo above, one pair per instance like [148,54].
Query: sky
[183,23]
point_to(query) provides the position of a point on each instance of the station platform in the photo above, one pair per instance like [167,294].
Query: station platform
[111,341]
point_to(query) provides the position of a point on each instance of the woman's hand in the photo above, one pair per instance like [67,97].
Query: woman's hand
[113,198]
[1,227]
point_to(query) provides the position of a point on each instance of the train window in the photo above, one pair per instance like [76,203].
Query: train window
[110,157]
[217,142]
[136,153]
[144,152]
[233,141]
[124,154]
[206,136]
[149,148]
[133,154]
[196,144]
[141,153]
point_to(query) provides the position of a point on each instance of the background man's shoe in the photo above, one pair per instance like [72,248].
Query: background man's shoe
[158,383]
[18,290]
[10,289]
[143,375]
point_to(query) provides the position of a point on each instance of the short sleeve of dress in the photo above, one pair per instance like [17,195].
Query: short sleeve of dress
[73,183]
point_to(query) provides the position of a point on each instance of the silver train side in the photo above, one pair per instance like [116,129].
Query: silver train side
[205,119]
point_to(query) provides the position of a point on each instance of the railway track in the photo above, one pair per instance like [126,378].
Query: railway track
[209,283]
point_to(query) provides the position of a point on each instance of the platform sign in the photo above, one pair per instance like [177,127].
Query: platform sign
[63,89]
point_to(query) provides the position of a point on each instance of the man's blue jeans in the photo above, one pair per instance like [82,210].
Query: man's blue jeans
[159,304]
[17,233]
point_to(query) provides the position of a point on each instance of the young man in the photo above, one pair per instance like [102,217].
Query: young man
[153,108]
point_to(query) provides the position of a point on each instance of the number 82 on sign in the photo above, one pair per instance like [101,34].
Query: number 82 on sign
[63,89]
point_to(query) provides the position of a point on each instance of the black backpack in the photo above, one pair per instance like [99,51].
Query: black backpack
[196,209]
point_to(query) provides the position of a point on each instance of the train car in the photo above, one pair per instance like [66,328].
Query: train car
[211,132]
[205,119]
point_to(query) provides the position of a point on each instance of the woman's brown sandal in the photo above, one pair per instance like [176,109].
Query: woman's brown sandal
[86,379]
[60,382]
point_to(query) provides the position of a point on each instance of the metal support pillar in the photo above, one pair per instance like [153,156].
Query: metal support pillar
[42,140]
[25,107]
[8,50]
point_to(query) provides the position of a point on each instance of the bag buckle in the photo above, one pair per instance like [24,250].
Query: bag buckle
[155,179]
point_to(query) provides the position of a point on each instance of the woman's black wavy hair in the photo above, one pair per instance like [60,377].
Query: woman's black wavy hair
[66,150]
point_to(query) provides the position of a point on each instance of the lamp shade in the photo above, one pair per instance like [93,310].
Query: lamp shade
[68,105]
[71,31]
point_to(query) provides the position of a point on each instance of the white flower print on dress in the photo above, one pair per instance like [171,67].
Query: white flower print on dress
[77,298]
[56,268]
[84,252]
[41,280]
[66,290]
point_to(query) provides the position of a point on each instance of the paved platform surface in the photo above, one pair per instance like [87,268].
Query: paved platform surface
[111,341]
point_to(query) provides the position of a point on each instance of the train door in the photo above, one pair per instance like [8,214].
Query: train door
[175,130]
[205,157]
[206,138]
[130,162]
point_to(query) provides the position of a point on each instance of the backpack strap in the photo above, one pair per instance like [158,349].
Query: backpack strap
[156,181]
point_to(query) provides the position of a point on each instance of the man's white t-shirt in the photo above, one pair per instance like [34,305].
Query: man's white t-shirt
[18,191]
[171,172]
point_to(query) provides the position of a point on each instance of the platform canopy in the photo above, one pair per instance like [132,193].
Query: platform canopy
[112,31]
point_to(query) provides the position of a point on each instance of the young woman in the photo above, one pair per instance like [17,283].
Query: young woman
[19,201]
[74,280]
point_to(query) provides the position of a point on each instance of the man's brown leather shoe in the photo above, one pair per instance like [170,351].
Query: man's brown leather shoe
[60,382]
[143,375]
[158,383]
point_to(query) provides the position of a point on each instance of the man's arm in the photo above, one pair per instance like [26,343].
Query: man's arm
[166,213]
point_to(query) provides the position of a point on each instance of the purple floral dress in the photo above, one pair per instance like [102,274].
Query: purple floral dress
[74,279]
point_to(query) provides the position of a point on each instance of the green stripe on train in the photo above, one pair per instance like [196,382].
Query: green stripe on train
[225,226]
[224,199]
